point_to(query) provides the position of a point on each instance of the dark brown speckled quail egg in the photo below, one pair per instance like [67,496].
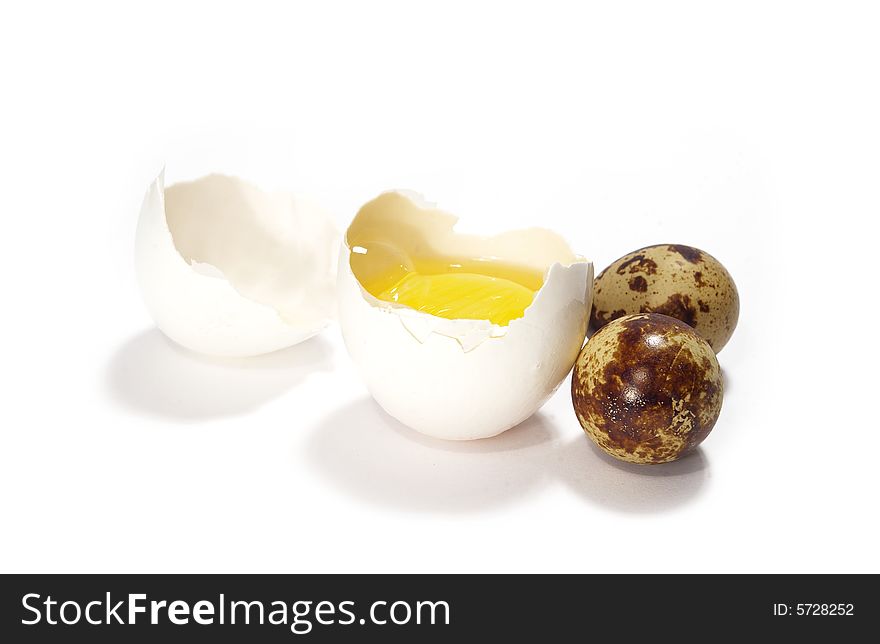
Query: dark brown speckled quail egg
[679,281]
[646,388]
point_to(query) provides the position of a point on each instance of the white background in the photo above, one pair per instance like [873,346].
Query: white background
[749,129]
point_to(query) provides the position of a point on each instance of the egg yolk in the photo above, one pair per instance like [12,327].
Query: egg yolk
[461,295]
[469,288]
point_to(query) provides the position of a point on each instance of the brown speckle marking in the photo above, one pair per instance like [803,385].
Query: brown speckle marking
[601,318]
[638,264]
[647,389]
[691,254]
[677,306]
[698,279]
[638,283]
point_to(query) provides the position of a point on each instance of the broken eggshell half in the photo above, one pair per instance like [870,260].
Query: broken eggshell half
[228,269]
[459,378]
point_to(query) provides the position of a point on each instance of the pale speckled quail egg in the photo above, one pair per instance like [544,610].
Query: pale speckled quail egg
[680,281]
[647,389]
[228,269]
[458,336]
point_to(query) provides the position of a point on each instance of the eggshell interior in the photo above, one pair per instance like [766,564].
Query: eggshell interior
[407,222]
[228,269]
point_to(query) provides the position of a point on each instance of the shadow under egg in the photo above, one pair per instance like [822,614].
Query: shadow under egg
[368,454]
[725,380]
[629,487]
[151,375]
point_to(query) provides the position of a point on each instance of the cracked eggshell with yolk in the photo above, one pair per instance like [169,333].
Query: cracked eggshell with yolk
[228,269]
[461,378]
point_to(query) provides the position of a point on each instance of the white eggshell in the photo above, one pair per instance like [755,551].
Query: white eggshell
[464,379]
[227,269]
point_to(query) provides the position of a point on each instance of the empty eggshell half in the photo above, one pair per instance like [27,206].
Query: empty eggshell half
[228,269]
[459,378]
